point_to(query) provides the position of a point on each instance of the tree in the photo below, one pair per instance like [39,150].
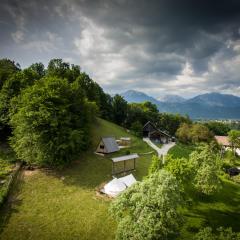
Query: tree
[95,93]
[136,111]
[39,69]
[193,133]
[51,122]
[222,234]
[218,128]
[119,109]
[181,168]
[137,127]
[58,68]
[171,122]
[234,137]
[156,164]
[200,133]
[206,180]
[202,169]
[207,168]
[149,209]
[7,68]
[12,88]
[183,133]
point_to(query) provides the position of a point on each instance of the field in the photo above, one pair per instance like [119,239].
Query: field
[47,204]
[63,204]
[221,209]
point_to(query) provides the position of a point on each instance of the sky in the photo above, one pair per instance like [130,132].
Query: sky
[184,47]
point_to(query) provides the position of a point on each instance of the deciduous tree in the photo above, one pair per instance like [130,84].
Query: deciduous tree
[234,137]
[221,234]
[119,109]
[51,122]
[149,209]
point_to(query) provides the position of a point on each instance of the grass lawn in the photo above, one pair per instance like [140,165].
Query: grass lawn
[181,150]
[63,204]
[221,209]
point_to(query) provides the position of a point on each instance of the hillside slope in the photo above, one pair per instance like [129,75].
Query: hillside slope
[59,205]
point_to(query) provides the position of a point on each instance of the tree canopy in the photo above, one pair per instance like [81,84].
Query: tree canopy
[149,209]
[234,137]
[221,234]
[218,128]
[7,68]
[51,122]
[202,169]
[193,133]
[119,109]
[12,88]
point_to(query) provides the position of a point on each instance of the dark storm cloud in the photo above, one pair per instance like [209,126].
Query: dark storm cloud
[149,45]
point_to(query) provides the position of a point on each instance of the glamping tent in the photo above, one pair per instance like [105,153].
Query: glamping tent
[114,187]
[107,145]
[118,185]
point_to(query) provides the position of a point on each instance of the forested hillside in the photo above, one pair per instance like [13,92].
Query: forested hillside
[46,112]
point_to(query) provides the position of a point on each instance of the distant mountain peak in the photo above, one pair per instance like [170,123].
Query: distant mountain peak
[128,92]
[217,99]
[138,97]
[171,98]
[211,105]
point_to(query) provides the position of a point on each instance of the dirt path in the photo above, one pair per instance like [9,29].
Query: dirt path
[161,151]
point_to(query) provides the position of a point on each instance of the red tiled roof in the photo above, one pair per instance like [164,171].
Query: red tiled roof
[223,140]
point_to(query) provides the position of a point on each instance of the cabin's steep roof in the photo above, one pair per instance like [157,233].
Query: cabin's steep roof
[156,129]
[110,144]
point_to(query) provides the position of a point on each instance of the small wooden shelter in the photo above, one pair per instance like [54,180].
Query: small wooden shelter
[124,163]
[125,141]
[107,145]
[152,132]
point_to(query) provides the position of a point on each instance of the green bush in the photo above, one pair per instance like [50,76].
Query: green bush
[51,122]
[236,179]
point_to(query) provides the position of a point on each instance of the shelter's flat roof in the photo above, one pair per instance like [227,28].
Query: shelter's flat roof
[125,157]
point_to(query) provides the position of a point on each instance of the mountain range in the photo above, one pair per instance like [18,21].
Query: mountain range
[206,106]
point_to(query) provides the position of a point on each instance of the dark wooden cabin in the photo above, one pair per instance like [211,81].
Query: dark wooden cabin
[152,132]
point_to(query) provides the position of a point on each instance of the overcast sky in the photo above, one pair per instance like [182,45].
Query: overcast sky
[183,47]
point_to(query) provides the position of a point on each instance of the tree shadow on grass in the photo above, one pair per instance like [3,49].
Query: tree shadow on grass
[229,194]
[11,203]
[219,209]
[91,170]
[216,218]
[88,172]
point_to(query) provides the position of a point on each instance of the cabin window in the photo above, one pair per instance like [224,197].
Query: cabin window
[102,146]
